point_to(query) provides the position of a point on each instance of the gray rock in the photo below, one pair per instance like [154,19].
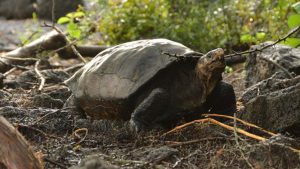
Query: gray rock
[44,100]
[155,155]
[275,156]
[62,7]
[258,68]
[16,8]
[27,78]
[4,94]
[1,80]
[20,9]
[94,162]
[274,104]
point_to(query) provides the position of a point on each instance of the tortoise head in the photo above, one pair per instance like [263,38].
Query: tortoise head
[210,68]
[212,62]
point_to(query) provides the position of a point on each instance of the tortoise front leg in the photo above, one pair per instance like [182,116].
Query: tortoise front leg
[222,100]
[150,111]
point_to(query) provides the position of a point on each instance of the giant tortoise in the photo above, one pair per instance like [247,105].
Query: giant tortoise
[153,83]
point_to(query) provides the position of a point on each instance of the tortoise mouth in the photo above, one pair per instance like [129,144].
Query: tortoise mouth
[218,63]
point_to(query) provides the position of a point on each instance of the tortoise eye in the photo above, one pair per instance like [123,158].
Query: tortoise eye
[209,55]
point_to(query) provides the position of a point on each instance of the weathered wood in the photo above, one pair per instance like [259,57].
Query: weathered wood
[49,42]
[15,152]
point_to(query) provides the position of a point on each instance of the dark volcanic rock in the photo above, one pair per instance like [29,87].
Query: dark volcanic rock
[275,156]
[94,162]
[62,93]
[62,7]
[5,99]
[44,100]
[1,80]
[274,104]
[27,78]
[16,8]
[20,9]
[157,155]
[258,68]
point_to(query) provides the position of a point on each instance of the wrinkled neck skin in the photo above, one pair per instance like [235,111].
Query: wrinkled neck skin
[209,77]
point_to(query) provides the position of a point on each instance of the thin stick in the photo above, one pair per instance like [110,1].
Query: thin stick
[195,141]
[53,13]
[46,115]
[10,71]
[75,133]
[55,163]
[68,41]
[42,78]
[36,129]
[18,59]
[12,65]
[64,47]
[185,158]
[236,137]
[213,121]
[267,46]
[241,121]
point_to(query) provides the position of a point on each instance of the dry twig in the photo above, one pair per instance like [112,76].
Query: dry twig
[241,121]
[213,121]
[195,141]
[35,129]
[55,163]
[18,59]
[267,46]
[42,78]
[67,40]
[10,71]
[77,136]
[236,138]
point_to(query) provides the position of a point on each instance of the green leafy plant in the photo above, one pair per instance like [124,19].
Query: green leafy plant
[294,21]
[201,25]
[71,19]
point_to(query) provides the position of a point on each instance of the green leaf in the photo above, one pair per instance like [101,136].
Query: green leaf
[79,14]
[73,30]
[75,14]
[260,35]
[228,69]
[293,42]
[247,38]
[294,21]
[296,7]
[63,20]
[34,17]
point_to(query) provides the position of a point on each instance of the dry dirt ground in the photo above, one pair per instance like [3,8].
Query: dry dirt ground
[65,137]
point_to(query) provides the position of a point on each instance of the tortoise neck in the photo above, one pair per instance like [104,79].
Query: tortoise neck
[207,78]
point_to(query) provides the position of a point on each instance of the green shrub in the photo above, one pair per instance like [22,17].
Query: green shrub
[199,24]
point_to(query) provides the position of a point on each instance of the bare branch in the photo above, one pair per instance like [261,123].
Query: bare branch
[42,78]
[265,47]
[68,41]
[18,58]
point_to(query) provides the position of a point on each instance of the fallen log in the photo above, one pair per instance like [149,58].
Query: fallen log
[51,41]
[15,151]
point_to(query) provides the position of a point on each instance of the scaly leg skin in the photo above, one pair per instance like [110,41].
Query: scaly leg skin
[150,111]
[222,100]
